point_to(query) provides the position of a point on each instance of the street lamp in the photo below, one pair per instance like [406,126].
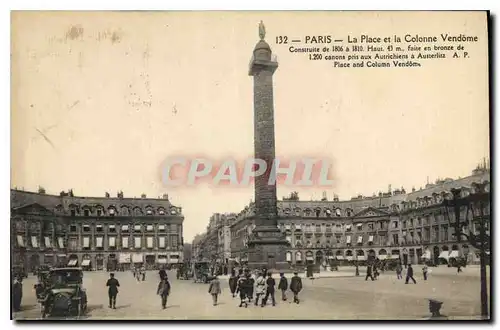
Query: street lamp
[476,205]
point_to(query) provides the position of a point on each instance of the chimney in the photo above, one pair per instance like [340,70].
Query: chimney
[41,190]
[143,195]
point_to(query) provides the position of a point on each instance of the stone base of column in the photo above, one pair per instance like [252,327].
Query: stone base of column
[267,249]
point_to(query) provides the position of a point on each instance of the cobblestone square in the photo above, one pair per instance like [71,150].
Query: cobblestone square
[344,296]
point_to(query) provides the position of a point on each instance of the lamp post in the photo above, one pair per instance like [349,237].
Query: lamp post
[476,205]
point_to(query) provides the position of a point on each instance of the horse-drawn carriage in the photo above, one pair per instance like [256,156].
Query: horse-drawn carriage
[61,293]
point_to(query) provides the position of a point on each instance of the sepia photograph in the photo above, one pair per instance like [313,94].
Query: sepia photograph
[250,165]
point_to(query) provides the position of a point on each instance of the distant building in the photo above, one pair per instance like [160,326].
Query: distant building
[93,232]
[392,225]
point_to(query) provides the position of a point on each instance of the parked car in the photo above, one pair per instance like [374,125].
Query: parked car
[65,295]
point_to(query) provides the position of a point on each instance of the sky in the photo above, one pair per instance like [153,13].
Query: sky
[100,100]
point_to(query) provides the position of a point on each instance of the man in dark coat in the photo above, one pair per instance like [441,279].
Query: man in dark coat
[163,291]
[409,274]
[17,293]
[283,286]
[296,287]
[112,285]
[270,283]
[162,273]
[233,282]
[369,273]
[250,285]
[242,290]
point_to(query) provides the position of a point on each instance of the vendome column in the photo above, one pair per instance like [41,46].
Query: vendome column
[267,244]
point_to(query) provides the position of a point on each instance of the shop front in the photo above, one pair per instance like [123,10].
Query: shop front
[73,260]
[137,260]
[99,262]
[86,262]
[150,261]
[124,261]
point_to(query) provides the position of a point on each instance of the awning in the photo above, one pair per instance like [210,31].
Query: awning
[426,254]
[85,262]
[124,258]
[348,239]
[298,227]
[137,257]
[20,241]
[382,256]
[61,255]
[339,257]
[453,254]
[360,239]
[161,227]
[72,262]
[60,240]
[309,258]
[444,255]
[111,226]
[349,258]
[162,260]
[360,257]
[370,239]
[331,257]
[149,228]
[47,242]
[34,241]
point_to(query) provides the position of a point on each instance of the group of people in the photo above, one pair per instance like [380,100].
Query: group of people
[263,287]
[139,273]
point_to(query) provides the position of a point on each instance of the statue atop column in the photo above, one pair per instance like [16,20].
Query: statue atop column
[262,30]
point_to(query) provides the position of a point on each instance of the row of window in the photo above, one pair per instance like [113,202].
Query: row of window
[125,228]
[124,211]
[138,242]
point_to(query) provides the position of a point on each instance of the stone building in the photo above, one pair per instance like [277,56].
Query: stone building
[215,244]
[392,225]
[94,233]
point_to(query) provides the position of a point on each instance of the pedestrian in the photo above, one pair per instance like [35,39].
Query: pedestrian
[112,285]
[250,286]
[233,282]
[283,286]
[214,289]
[270,284]
[260,288]
[163,291]
[459,268]
[162,273]
[17,293]
[375,271]
[424,270]
[296,287]
[409,274]
[399,270]
[143,270]
[369,273]
[242,289]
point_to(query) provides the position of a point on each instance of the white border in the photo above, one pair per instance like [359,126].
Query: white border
[6,6]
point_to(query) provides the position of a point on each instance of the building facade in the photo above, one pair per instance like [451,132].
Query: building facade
[95,233]
[393,225]
[215,244]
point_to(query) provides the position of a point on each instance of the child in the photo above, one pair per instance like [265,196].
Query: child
[424,270]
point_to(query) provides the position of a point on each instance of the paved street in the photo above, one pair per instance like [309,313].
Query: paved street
[345,297]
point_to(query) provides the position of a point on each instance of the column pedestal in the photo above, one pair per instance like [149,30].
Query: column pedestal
[267,249]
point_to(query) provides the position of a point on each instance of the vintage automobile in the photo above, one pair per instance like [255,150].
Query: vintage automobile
[64,294]
[202,273]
